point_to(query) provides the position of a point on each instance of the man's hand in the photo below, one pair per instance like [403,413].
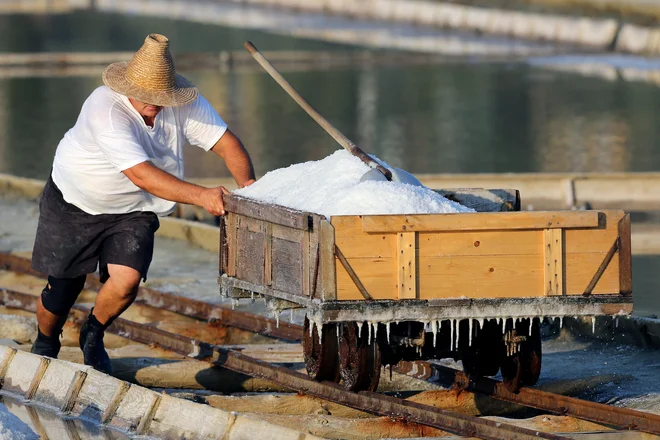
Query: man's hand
[211,200]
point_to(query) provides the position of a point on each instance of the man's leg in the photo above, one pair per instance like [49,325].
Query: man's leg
[53,307]
[116,295]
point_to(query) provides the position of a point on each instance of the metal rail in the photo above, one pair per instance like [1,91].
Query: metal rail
[214,314]
[619,418]
[371,402]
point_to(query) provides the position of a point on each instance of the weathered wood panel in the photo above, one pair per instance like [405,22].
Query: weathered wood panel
[57,380]
[484,200]
[275,214]
[232,251]
[480,221]
[287,269]
[96,396]
[192,420]
[251,251]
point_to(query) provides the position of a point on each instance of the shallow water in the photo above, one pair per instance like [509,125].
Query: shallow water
[461,116]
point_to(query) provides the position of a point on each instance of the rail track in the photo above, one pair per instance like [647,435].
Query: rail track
[402,410]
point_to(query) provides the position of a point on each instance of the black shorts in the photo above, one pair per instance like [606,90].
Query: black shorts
[70,242]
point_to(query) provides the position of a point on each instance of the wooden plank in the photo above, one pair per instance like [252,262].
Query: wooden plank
[133,408]
[95,395]
[289,234]
[222,246]
[378,276]
[625,256]
[407,265]
[250,251]
[20,372]
[580,269]
[178,418]
[355,243]
[484,200]
[305,264]
[314,237]
[479,221]
[58,379]
[268,255]
[267,212]
[601,269]
[327,285]
[497,276]
[351,273]
[232,251]
[553,261]
[598,239]
[287,266]
[519,242]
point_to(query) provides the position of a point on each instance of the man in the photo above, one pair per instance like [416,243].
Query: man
[114,172]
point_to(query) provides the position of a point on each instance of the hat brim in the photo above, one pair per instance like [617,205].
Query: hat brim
[184,92]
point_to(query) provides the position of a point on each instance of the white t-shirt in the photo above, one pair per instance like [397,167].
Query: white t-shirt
[110,136]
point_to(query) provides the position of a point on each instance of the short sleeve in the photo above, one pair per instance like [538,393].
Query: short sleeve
[203,126]
[121,149]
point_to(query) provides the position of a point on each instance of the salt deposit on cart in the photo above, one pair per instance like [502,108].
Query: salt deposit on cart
[332,186]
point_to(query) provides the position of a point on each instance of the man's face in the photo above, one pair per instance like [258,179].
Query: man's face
[146,110]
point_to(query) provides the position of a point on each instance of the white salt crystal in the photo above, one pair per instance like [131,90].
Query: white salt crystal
[331,186]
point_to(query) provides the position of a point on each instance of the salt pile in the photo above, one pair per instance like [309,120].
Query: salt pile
[332,186]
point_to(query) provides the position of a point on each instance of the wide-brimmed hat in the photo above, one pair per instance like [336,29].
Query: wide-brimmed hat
[150,77]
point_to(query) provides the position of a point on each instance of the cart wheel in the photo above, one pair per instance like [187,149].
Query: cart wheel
[321,359]
[524,367]
[359,359]
[484,357]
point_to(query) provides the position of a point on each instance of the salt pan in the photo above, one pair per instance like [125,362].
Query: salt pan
[331,186]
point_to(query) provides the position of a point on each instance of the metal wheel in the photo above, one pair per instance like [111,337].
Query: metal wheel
[524,367]
[321,358]
[484,358]
[359,359]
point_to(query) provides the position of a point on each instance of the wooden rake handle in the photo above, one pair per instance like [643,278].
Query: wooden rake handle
[311,111]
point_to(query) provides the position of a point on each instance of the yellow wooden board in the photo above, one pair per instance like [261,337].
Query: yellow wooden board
[480,221]
[505,263]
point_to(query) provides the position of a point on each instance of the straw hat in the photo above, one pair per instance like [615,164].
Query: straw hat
[149,77]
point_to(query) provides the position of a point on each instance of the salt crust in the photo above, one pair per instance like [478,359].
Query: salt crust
[12,428]
[331,186]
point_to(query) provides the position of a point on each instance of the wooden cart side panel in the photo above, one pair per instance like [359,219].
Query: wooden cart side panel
[501,263]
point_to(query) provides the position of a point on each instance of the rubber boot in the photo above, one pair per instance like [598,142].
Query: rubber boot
[91,344]
[47,345]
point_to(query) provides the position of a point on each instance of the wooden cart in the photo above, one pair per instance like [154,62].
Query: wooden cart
[378,289]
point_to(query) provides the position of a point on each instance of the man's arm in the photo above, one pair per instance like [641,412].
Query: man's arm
[162,184]
[232,151]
